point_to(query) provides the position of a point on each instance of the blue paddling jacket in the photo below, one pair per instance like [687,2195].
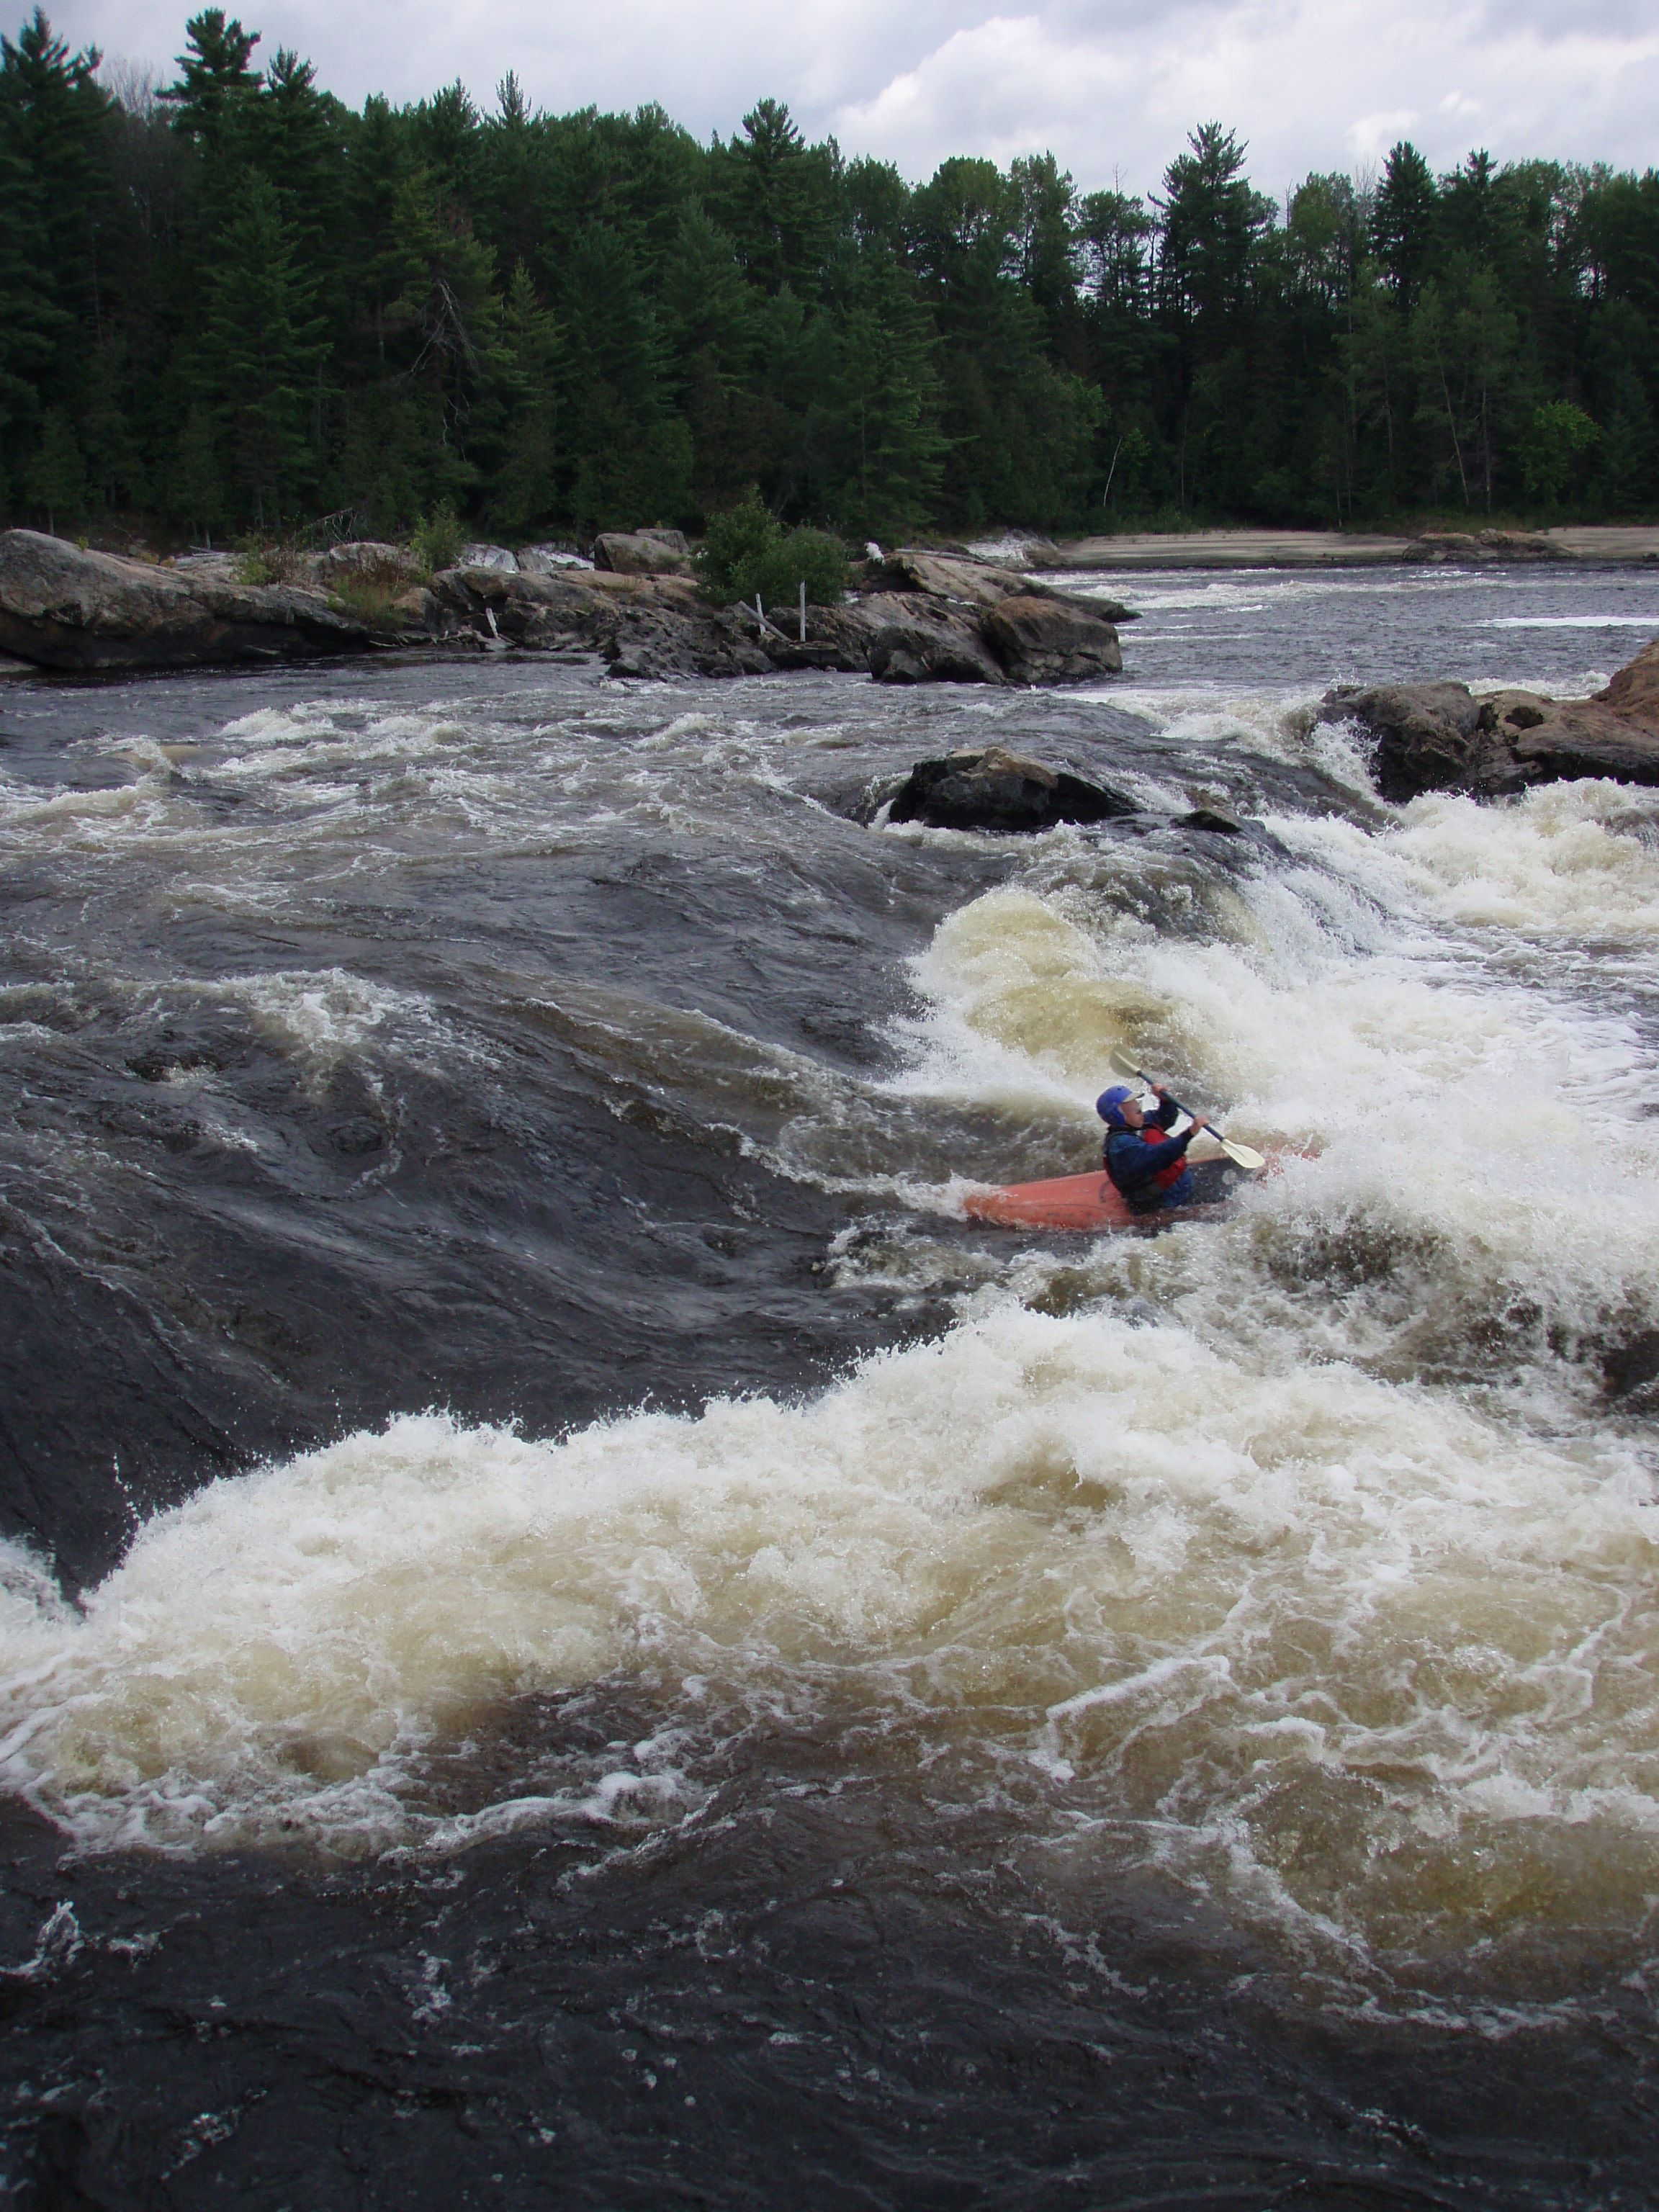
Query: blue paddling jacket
[1150,1171]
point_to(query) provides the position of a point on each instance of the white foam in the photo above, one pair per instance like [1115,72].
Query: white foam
[1187,1585]
[1571,621]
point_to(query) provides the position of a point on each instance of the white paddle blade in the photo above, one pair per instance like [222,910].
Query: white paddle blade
[1246,1155]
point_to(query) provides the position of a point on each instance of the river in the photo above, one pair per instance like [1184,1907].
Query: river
[572,1632]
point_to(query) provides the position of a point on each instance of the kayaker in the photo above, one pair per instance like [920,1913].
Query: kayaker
[1148,1167]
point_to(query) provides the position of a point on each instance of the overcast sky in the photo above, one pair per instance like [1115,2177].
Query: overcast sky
[1110,86]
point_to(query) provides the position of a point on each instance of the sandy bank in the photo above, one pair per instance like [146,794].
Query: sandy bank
[1314,548]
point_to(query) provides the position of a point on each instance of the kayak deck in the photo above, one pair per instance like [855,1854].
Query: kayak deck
[1082,1201]
[1093,1201]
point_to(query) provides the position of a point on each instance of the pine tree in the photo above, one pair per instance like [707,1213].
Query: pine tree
[1405,223]
[53,202]
[631,452]
[524,483]
[214,103]
[259,347]
[777,198]
[1045,240]
[32,323]
[193,484]
[710,317]
[885,448]
[54,476]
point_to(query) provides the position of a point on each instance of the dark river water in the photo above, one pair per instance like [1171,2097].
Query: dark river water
[572,1632]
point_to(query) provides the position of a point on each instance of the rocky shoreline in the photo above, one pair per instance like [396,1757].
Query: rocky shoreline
[913,616]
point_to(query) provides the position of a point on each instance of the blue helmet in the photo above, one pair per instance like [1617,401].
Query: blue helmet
[1109,1104]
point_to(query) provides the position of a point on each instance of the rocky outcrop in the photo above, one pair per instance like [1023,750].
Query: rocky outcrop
[639,626]
[974,583]
[1633,694]
[1050,640]
[1481,546]
[1000,790]
[1440,737]
[64,608]
[61,607]
[1012,635]
[909,639]
[549,560]
[1426,736]
[642,553]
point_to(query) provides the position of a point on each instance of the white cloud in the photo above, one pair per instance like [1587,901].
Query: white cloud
[1111,88]
[1369,136]
[1311,84]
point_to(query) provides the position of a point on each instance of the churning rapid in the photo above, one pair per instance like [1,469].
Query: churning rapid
[486,1181]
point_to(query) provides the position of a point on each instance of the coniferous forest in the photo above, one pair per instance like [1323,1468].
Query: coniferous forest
[229,303]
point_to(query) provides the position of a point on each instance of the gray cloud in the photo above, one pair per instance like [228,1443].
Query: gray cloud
[1110,86]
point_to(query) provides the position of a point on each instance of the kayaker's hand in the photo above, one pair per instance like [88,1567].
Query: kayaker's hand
[1199,1121]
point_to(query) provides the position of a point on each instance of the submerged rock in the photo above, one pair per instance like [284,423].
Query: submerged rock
[994,789]
[1440,737]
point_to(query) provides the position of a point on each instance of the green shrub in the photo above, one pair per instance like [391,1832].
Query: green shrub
[733,542]
[747,551]
[437,540]
[808,556]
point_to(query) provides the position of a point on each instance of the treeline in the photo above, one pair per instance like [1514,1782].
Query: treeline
[231,301]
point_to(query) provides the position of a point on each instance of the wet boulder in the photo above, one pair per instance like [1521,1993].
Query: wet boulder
[1585,738]
[1002,790]
[1440,737]
[1426,736]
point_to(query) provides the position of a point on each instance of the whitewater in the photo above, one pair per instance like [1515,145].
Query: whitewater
[495,1145]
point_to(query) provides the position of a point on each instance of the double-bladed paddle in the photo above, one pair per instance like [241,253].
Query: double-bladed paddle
[1246,1155]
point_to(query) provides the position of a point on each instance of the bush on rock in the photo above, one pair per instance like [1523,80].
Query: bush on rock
[747,550]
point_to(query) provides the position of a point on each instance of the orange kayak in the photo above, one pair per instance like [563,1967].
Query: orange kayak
[1084,1201]
[1087,1201]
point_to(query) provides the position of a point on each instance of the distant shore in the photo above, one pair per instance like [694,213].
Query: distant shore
[1314,549]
